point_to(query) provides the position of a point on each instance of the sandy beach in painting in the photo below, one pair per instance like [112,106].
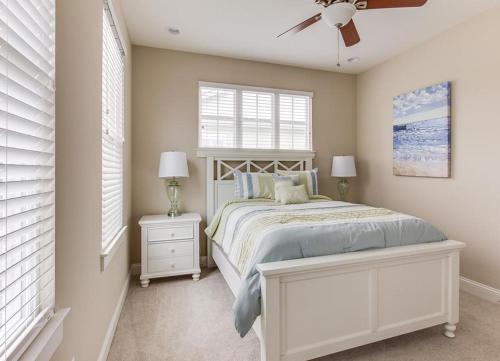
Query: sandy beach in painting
[421,132]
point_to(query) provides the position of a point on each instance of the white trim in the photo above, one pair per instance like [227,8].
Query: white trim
[309,94]
[108,252]
[110,333]
[48,340]
[480,290]
[254,154]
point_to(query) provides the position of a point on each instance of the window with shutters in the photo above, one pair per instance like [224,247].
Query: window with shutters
[233,116]
[112,129]
[26,170]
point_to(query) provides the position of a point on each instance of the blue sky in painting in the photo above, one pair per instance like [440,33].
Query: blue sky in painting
[421,100]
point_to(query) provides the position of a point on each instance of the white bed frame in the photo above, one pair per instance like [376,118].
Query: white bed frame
[316,306]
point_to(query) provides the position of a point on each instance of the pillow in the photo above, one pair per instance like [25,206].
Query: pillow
[309,178]
[283,181]
[294,195]
[253,185]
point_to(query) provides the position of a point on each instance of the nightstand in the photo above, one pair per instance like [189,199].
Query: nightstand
[170,246]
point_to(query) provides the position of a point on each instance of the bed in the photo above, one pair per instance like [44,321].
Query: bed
[315,306]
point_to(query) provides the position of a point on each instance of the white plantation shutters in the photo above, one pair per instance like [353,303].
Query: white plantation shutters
[257,120]
[112,130]
[232,116]
[218,117]
[26,169]
[295,125]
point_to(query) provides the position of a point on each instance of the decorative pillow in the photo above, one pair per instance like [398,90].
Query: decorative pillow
[294,195]
[283,181]
[253,185]
[309,178]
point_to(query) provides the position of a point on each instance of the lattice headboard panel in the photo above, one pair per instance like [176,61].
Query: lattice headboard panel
[224,169]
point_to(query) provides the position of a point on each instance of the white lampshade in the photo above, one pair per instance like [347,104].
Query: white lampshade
[338,14]
[173,164]
[343,166]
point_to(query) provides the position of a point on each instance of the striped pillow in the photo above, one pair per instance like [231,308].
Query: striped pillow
[253,185]
[309,178]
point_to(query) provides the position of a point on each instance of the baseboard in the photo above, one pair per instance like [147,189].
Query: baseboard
[480,290]
[136,269]
[108,338]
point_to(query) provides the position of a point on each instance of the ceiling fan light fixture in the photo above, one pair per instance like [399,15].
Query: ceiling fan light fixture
[338,14]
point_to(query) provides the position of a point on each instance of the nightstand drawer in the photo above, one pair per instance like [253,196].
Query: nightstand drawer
[170,264]
[170,233]
[169,249]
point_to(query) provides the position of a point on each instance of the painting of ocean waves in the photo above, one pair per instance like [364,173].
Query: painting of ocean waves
[421,132]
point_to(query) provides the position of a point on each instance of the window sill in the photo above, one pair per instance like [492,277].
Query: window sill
[110,250]
[48,340]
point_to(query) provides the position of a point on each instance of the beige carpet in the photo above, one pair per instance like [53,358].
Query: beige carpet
[181,320]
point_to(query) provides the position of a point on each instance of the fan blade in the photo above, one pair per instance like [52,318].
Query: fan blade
[384,4]
[302,25]
[350,34]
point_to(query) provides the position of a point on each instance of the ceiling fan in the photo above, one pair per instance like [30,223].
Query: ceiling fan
[338,14]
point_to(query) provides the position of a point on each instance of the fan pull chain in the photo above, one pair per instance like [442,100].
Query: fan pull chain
[338,46]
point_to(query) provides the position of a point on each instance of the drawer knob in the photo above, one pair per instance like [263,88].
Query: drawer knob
[172,250]
[172,234]
[172,265]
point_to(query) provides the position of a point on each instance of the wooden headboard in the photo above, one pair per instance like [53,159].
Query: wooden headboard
[221,164]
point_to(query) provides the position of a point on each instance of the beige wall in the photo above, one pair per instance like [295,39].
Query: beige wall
[80,283]
[165,117]
[466,206]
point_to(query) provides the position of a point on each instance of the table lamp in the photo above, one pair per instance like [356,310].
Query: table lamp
[173,165]
[343,167]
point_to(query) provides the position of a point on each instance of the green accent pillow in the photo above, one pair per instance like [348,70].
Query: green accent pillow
[293,195]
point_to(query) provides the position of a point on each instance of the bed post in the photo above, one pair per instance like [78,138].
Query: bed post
[270,319]
[453,294]
[210,205]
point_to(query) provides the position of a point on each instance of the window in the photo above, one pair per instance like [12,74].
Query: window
[112,129]
[232,116]
[26,170]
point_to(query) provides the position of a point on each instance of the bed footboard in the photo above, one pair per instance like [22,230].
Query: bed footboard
[313,307]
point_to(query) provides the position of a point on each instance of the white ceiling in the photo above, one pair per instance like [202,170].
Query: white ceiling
[247,29]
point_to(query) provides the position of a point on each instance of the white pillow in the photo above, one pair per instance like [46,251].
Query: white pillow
[294,195]
[283,181]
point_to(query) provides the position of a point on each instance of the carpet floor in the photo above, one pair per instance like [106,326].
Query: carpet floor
[176,319]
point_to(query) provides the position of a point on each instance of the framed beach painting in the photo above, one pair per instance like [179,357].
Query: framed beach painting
[422,132]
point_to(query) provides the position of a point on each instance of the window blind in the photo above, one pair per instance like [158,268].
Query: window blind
[232,116]
[112,129]
[26,169]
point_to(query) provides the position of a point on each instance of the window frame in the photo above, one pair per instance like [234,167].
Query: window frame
[110,246]
[238,116]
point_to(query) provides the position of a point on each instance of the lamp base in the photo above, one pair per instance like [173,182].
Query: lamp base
[173,192]
[343,188]
[173,213]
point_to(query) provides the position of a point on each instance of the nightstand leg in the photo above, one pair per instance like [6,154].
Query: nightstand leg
[196,276]
[144,283]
